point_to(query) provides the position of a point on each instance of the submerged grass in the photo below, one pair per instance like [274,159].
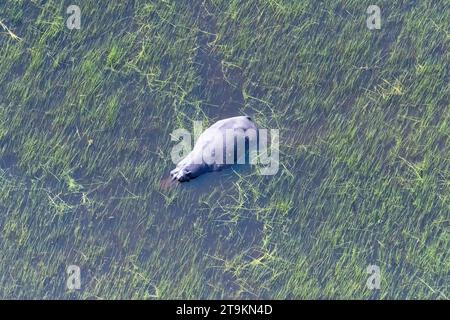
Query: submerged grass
[86,117]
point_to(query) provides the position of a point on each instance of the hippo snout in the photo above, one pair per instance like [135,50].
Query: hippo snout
[180,174]
[186,172]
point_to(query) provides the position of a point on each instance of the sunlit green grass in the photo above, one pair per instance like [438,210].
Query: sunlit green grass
[85,123]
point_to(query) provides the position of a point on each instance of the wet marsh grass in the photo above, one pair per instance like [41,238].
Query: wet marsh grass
[86,117]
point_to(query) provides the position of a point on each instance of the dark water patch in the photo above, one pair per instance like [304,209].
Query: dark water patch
[8,162]
[221,92]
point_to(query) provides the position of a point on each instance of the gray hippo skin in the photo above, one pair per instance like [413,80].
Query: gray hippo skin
[194,165]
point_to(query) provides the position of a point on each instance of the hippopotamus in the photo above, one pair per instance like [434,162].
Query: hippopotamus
[224,140]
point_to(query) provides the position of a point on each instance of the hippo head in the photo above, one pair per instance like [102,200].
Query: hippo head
[185,172]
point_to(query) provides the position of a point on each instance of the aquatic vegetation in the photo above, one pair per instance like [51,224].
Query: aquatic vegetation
[85,123]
